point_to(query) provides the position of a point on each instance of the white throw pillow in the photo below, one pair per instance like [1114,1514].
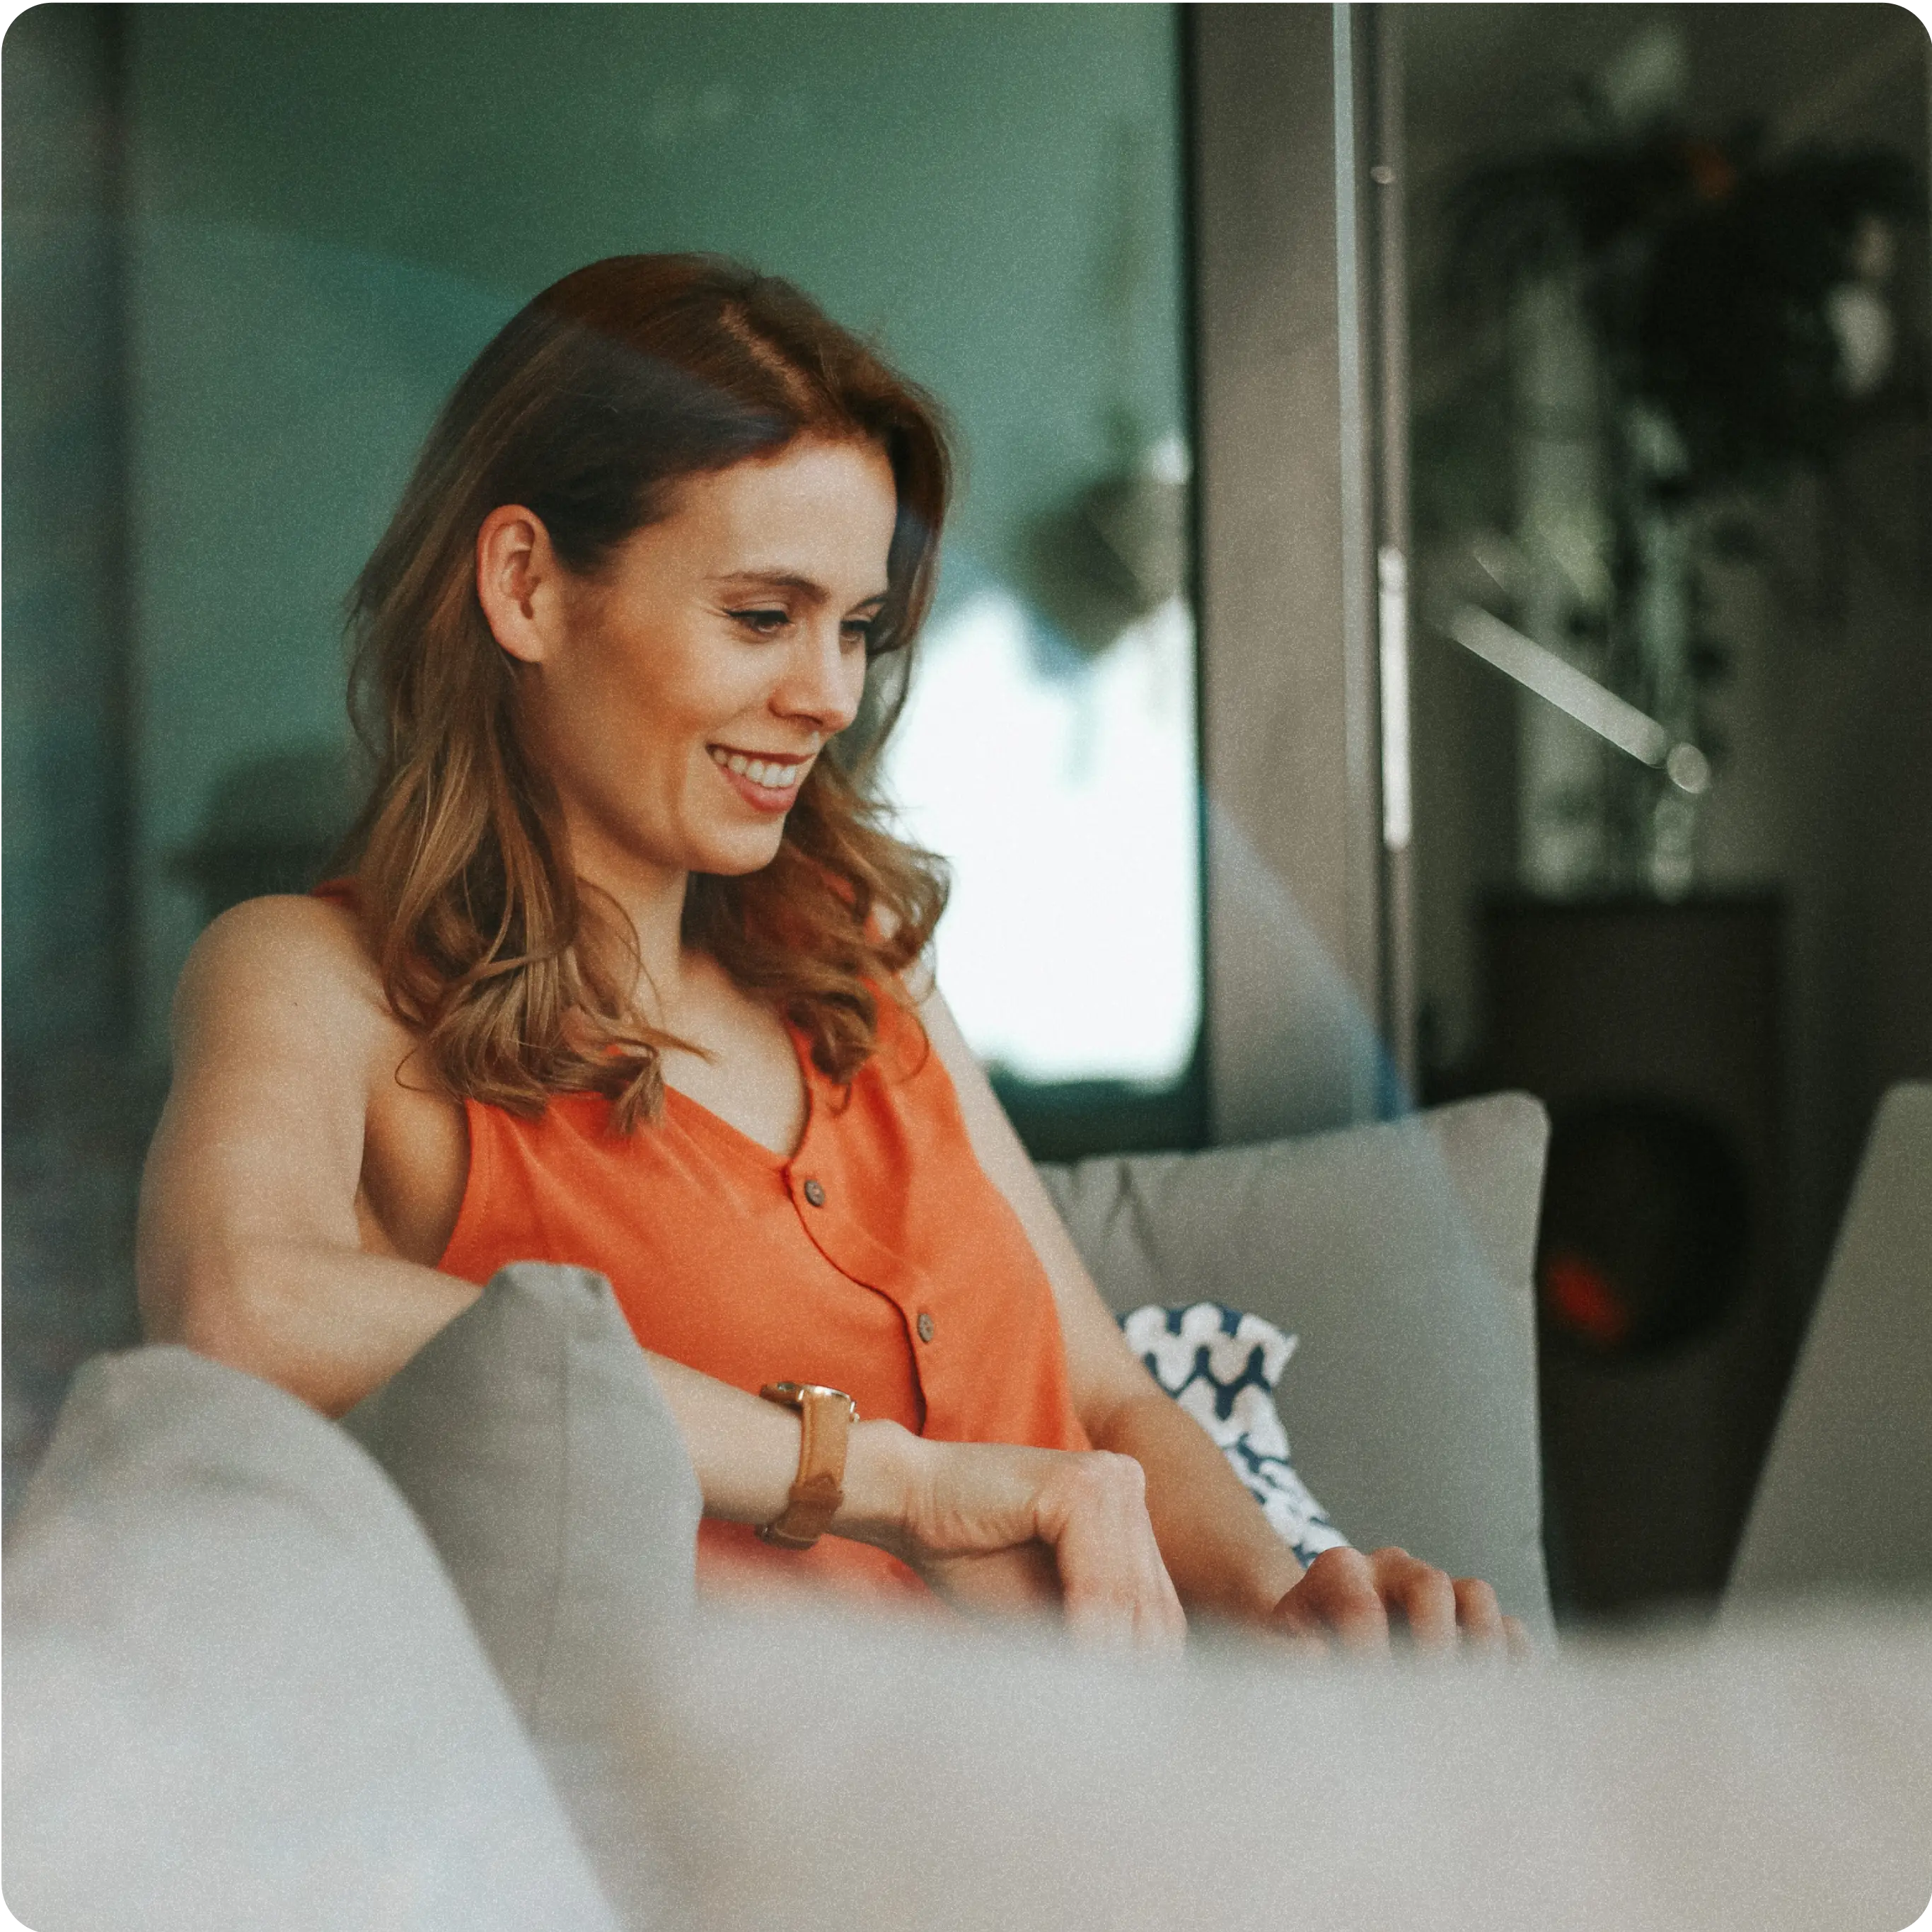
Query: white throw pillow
[1223,1367]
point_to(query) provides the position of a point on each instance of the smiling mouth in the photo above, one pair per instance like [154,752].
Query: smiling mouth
[771,774]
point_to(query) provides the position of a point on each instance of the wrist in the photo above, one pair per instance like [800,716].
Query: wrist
[1244,1586]
[883,1464]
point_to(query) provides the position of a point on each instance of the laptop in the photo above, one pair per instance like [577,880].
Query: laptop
[1845,1501]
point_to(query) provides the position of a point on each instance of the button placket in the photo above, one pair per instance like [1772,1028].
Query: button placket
[850,1251]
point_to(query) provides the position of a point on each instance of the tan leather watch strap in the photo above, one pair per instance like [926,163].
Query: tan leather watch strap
[825,1416]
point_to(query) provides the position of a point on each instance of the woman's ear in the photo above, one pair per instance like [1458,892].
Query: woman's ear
[517,582]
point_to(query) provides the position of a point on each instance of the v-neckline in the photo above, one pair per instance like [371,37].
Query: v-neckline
[768,1157]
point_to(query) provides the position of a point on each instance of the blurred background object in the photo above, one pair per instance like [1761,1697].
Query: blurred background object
[1691,322]
[1649,1028]
[1670,275]
[271,825]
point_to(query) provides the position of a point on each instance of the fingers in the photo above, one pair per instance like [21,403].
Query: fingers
[1116,1591]
[1339,1594]
[1018,1582]
[1359,1598]
[1084,1512]
[1306,1644]
[1480,1617]
[1423,1594]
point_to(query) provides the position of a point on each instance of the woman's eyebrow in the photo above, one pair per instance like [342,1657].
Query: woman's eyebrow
[787,580]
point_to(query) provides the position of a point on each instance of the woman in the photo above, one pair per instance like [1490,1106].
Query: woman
[626,975]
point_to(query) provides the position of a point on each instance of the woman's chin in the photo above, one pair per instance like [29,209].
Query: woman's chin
[731,856]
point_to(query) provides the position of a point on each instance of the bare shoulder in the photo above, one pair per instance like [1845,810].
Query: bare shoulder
[987,1126]
[285,929]
[293,970]
[288,1092]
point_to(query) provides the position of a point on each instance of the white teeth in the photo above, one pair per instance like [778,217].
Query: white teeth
[768,772]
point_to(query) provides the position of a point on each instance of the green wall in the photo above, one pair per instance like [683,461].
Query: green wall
[333,207]
[65,810]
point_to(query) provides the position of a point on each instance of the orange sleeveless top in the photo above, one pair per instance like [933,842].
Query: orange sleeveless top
[878,1258]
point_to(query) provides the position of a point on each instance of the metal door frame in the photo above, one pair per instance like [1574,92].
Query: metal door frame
[1300,417]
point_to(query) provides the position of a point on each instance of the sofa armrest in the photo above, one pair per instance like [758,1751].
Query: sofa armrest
[241,1692]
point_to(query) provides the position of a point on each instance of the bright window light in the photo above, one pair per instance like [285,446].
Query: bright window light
[1065,800]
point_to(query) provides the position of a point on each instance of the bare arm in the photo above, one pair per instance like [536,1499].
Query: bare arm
[255,1246]
[1222,1552]
[1224,1555]
[259,1245]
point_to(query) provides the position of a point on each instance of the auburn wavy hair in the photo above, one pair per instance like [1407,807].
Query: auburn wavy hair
[588,409]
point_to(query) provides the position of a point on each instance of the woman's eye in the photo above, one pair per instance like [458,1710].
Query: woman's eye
[859,630]
[765,623]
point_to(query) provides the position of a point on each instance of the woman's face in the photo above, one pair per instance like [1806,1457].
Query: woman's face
[681,696]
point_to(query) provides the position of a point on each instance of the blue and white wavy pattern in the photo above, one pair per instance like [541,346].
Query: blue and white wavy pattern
[1222,1366]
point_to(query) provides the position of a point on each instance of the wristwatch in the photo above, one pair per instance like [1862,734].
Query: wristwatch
[825,1416]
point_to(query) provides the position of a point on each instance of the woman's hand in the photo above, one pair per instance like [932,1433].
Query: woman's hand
[997,1528]
[1349,1598]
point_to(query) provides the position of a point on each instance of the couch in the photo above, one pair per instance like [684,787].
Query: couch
[1400,1255]
[441,1665]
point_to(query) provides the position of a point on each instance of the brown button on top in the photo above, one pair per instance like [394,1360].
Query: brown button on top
[925,1327]
[814,1192]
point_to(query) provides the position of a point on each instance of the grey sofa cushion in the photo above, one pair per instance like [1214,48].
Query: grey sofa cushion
[530,1438]
[1401,1254]
[1845,1502]
[240,1693]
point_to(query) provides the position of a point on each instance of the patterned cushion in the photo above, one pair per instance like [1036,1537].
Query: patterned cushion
[1222,1366]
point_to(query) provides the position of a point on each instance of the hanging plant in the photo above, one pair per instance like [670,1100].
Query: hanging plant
[1734,303]
[1739,294]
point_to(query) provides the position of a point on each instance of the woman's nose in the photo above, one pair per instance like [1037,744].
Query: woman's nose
[824,679]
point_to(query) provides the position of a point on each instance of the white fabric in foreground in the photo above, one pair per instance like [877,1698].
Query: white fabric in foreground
[240,1694]
[882,1779]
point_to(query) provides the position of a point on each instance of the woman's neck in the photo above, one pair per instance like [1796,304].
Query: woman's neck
[649,902]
